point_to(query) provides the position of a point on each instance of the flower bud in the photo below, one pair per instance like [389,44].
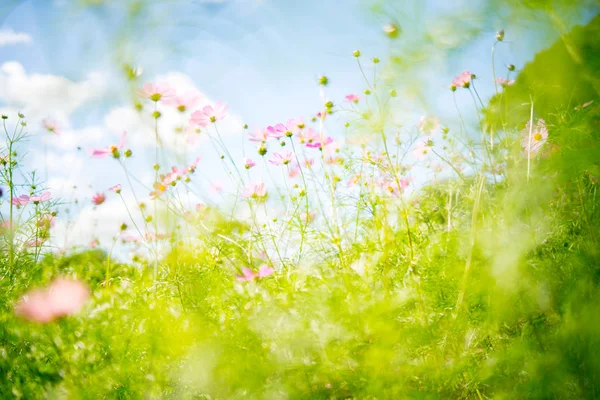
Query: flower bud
[323,80]
[510,67]
[500,35]
[356,53]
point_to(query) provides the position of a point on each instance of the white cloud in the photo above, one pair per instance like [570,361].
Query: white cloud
[10,37]
[44,95]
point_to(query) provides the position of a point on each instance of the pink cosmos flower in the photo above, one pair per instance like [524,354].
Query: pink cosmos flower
[98,199]
[157,92]
[308,136]
[24,199]
[117,188]
[294,170]
[318,144]
[51,126]
[391,186]
[352,98]
[277,131]
[184,102]
[114,150]
[249,275]
[504,82]
[94,243]
[282,158]
[539,136]
[209,115]
[249,163]
[422,149]
[354,180]
[463,80]
[62,298]
[428,125]
[258,135]
[46,221]
[255,191]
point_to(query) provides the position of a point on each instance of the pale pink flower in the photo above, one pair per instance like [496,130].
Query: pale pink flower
[308,136]
[504,82]
[157,92]
[277,131]
[209,115]
[428,125]
[390,185]
[184,102]
[265,270]
[114,150]
[308,217]
[94,243]
[309,162]
[258,135]
[294,170]
[51,126]
[62,298]
[46,221]
[320,144]
[117,188]
[539,136]
[249,163]
[422,149]
[216,186]
[463,80]
[98,199]
[255,191]
[24,199]
[282,158]
[352,98]
[354,180]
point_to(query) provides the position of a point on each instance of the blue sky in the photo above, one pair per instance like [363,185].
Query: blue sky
[262,57]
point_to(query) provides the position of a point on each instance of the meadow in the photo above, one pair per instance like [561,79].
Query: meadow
[358,256]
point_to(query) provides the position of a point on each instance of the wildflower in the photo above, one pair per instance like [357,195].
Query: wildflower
[184,102]
[249,163]
[114,150]
[157,92]
[51,126]
[62,298]
[46,221]
[422,149]
[278,131]
[356,53]
[532,143]
[282,158]
[98,199]
[94,243]
[192,167]
[323,80]
[24,199]
[428,125]
[352,98]
[463,80]
[259,135]
[116,188]
[249,275]
[209,115]
[308,217]
[320,144]
[294,170]
[308,136]
[255,190]
[504,82]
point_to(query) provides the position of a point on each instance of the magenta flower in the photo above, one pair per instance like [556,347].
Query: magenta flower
[504,82]
[320,144]
[428,125]
[157,92]
[277,131]
[114,150]
[62,298]
[249,275]
[259,135]
[185,102]
[117,188]
[352,98]
[51,126]
[249,163]
[255,190]
[282,158]
[98,199]
[209,115]
[463,80]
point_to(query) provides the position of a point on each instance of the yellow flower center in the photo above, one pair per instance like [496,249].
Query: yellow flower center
[537,136]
